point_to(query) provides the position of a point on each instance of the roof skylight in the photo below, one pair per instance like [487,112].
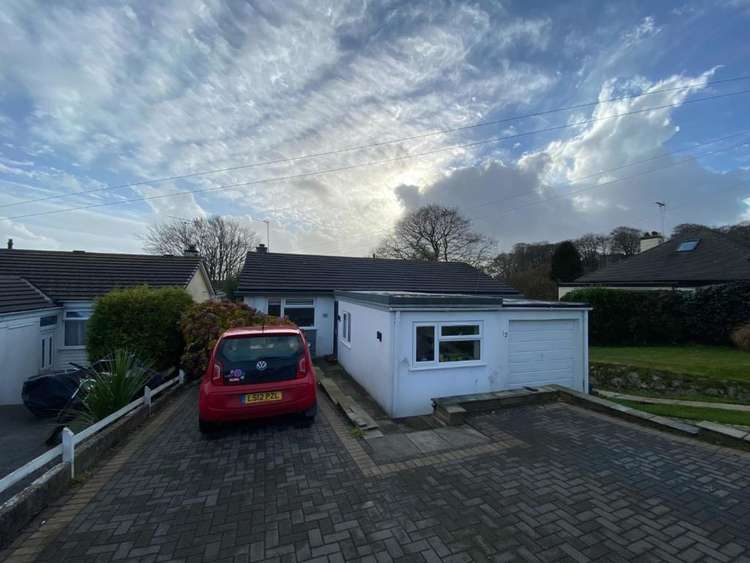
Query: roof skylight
[688,245]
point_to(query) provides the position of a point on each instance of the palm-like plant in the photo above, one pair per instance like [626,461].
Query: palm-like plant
[115,382]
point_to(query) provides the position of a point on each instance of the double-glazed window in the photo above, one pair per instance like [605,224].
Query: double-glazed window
[346,327]
[301,311]
[76,324]
[446,343]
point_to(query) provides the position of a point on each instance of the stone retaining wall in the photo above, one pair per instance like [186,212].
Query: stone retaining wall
[621,377]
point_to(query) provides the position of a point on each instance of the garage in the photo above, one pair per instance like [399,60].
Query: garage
[541,352]
[406,348]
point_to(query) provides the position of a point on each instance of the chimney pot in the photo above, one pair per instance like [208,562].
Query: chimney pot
[10,244]
[261,249]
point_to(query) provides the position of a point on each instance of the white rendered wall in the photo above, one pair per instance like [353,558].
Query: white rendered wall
[367,359]
[20,352]
[417,385]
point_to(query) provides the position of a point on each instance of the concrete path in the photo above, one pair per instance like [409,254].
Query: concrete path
[679,402]
[554,483]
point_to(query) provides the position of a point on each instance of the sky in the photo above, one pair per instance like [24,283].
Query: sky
[104,104]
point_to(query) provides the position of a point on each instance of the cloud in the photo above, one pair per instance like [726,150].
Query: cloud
[557,192]
[110,94]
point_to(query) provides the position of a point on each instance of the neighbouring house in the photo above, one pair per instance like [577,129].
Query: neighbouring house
[411,331]
[406,348]
[693,260]
[46,299]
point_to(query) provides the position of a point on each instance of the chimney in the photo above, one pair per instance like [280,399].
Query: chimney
[651,240]
[10,244]
[190,251]
[261,249]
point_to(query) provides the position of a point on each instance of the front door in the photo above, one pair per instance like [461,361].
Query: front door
[47,351]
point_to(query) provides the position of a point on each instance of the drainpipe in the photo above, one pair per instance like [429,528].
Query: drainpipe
[394,347]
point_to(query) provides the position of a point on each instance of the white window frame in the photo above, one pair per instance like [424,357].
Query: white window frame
[85,316]
[284,306]
[345,334]
[435,363]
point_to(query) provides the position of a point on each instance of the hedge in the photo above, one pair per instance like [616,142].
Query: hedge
[203,323]
[143,320]
[707,315]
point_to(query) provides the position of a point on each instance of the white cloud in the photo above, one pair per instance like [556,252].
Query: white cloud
[551,194]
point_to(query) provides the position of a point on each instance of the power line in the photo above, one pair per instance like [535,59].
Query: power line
[368,145]
[371,163]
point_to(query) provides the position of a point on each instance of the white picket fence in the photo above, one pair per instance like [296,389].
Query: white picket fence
[69,440]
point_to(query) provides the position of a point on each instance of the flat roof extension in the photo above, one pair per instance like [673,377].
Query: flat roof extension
[417,300]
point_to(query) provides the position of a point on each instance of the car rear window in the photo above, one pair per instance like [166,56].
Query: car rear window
[260,359]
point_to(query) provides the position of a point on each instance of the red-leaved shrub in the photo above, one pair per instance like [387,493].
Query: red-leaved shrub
[204,322]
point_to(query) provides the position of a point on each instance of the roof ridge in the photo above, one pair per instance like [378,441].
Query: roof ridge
[371,258]
[92,253]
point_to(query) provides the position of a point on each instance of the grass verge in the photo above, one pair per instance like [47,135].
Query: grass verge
[712,362]
[692,413]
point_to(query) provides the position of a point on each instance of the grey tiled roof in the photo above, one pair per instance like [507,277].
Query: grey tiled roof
[67,276]
[277,272]
[18,295]
[716,259]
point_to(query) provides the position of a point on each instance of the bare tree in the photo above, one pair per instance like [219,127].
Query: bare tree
[436,234]
[626,240]
[222,243]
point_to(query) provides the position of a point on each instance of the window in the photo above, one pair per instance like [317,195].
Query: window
[76,323]
[300,311]
[346,327]
[455,342]
[50,320]
[688,245]
[274,307]
[425,343]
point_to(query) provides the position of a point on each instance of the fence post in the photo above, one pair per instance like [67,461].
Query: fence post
[147,397]
[181,377]
[69,450]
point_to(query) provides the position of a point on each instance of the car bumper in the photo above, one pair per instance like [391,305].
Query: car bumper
[224,403]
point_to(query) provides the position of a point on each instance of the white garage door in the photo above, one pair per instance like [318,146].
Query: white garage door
[543,352]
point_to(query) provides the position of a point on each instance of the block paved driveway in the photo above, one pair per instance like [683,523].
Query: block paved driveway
[561,484]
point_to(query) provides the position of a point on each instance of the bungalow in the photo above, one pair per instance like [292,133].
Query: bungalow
[686,262]
[301,286]
[411,331]
[46,298]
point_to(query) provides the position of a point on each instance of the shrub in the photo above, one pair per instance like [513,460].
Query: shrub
[115,383]
[624,317]
[713,312]
[708,315]
[741,337]
[203,323]
[143,320]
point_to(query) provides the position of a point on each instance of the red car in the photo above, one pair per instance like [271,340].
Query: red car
[258,372]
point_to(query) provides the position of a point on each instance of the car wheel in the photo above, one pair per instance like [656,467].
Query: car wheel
[207,427]
[308,416]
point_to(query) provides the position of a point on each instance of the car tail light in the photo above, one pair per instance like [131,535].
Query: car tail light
[216,375]
[302,367]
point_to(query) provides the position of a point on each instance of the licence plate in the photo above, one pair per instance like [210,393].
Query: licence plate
[261,397]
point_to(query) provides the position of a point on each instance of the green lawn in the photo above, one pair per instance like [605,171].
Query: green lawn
[717,362]
[692,413]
